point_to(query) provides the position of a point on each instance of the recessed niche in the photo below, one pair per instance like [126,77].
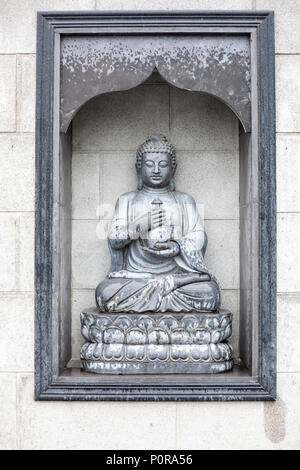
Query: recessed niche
[105,135]
[104,83]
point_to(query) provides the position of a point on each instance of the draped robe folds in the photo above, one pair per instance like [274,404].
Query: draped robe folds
[140,281]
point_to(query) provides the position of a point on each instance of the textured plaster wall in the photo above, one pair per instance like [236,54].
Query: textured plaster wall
[26,424]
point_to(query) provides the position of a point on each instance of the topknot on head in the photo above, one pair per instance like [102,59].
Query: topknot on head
[156,144]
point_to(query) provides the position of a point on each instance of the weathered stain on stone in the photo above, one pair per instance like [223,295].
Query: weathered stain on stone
[275,420]
[218,65]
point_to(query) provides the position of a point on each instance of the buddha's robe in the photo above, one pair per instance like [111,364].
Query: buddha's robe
[140,281]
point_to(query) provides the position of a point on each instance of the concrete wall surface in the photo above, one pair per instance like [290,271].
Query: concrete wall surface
[26,424]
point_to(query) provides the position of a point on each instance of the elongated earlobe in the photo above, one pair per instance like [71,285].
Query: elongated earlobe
[140,182]
[172,185]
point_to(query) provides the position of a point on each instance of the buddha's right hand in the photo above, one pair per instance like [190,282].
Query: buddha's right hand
[140,227]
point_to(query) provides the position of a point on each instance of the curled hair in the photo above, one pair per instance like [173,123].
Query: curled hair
[156,144]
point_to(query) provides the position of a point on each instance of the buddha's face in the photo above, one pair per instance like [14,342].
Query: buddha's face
[156,171]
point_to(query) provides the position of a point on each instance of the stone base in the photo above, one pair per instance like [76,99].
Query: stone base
[122,367]
[174,343]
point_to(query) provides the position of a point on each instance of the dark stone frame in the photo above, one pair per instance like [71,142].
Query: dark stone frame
[50,385]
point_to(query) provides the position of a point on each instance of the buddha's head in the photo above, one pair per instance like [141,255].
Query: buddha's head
[156,163]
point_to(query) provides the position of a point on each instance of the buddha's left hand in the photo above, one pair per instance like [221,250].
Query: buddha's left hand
[164,249]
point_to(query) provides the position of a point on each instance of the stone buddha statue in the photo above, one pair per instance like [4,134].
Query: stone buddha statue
[157,244]
[158,308]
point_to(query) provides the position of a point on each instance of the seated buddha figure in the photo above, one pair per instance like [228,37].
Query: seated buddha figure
[157,244]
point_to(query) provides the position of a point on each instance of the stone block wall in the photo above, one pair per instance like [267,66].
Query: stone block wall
[26,424]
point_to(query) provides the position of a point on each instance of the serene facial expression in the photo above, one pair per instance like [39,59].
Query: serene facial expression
[156,170]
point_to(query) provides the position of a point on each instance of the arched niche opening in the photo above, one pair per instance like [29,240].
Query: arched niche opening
[213,166]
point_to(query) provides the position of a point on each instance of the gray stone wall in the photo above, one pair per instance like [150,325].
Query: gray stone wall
[26,424]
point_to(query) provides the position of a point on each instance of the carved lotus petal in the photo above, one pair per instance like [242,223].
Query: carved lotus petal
[87,319]
[226,351]
[136,336]
[83,350]
[168,323]
[223,351]
[98,350]
[158,352]
[123,322]
[225,321]
[222,335]
[85,332]
[201,336]
[136,352]
[211,323]
[95,334]
[200,352]
[102,322]
[158,336]
[180,336]
[89,352]
[228,331]
[216,352]
[113,334]
[146,323]
[215,336]
[180,351]
[190,322]
[113,351]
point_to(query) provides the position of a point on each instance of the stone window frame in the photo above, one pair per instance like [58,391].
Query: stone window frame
[52,328]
